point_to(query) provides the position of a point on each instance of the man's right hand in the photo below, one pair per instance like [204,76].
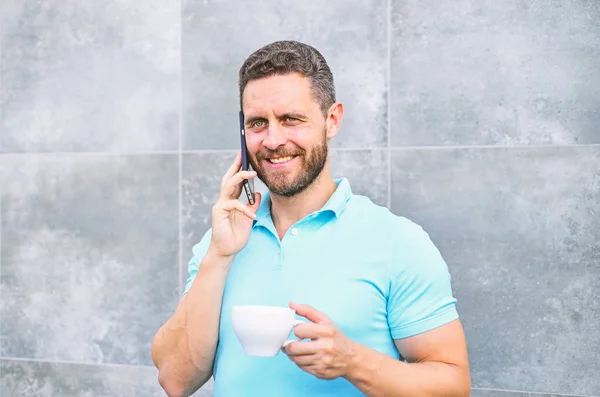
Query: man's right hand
[184,348]
[232,219]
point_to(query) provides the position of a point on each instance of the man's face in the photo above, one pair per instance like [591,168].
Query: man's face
[285,133]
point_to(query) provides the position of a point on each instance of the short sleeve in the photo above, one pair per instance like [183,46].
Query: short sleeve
[420,296]
[198,252]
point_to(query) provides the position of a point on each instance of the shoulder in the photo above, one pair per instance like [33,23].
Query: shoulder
[406,241]
[361,209]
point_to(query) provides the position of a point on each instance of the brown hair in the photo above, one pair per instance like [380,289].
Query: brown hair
[288,56]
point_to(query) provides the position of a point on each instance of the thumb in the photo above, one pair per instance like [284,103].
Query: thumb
[309,312]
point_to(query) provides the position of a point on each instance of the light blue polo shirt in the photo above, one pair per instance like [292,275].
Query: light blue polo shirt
[377,275]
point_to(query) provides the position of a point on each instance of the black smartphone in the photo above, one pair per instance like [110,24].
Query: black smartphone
[248,184]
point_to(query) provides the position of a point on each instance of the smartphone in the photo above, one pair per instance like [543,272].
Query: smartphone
[248,184]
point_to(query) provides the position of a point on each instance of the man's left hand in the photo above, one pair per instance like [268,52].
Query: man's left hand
[329,354]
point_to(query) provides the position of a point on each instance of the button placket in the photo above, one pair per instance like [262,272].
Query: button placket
[281,257]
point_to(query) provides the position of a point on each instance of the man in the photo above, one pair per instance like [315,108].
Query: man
[375,290]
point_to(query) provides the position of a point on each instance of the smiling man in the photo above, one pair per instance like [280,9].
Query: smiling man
[374,288]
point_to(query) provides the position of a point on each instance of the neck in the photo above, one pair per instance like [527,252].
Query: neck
[285,211]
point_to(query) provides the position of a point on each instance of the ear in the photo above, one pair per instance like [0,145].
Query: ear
[334,119]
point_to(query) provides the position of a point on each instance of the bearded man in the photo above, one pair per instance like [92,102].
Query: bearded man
[373,288]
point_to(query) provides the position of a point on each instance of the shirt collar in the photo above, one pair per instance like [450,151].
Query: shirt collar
[336,203]
[338,200]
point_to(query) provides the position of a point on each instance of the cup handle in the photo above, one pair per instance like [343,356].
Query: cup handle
[287,342]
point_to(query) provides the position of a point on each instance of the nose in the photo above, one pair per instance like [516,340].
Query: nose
[276,136]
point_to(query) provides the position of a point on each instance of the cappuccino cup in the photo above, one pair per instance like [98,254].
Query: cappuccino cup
[263,330]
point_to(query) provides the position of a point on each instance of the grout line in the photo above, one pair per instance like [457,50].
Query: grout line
[65,362]
[456,147]
[210,151]
[2,176]
[340,149]
[1,289]
[359,149]
[532,392]
[389,104]
[180,160]
[79,154]
[425,147]
[335,149]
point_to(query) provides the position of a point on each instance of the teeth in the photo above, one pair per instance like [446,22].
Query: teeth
[281,160]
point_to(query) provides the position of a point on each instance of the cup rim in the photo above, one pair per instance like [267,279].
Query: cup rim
[261,308]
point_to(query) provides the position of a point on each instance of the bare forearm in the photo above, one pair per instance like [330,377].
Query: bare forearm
[378,375]
[184,348]
[203,308]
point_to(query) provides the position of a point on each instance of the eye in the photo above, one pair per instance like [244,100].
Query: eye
[258,124]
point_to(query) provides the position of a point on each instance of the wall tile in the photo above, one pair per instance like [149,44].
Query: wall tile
[487,73]
[219,35]
[366,170]
[89,76]
[42,379]
[499,393]
[46,379]
[89,256]
[520,232]
[505,393]
[3,296]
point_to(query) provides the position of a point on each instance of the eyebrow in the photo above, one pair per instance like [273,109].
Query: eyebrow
[294,115]
[251,120]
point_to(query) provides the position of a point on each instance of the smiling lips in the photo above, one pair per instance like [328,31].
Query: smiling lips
[279,160]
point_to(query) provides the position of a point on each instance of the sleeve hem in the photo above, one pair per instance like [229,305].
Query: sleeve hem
[425,325]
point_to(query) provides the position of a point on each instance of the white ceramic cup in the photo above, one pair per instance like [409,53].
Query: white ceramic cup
[263,330]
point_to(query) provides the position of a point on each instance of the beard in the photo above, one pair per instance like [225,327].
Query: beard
[279,183]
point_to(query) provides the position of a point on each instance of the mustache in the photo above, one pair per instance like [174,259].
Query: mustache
[267,153]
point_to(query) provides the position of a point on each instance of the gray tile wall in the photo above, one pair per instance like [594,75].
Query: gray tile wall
[477,119]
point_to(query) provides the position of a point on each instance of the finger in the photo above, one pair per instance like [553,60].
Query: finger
[236,205]
[235,167]
[305,361]
[313,331]
[237,178]
[309,312]
[310,368]
[233,187]
[301,349]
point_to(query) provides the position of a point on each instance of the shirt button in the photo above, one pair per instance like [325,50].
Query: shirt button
[294,231]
